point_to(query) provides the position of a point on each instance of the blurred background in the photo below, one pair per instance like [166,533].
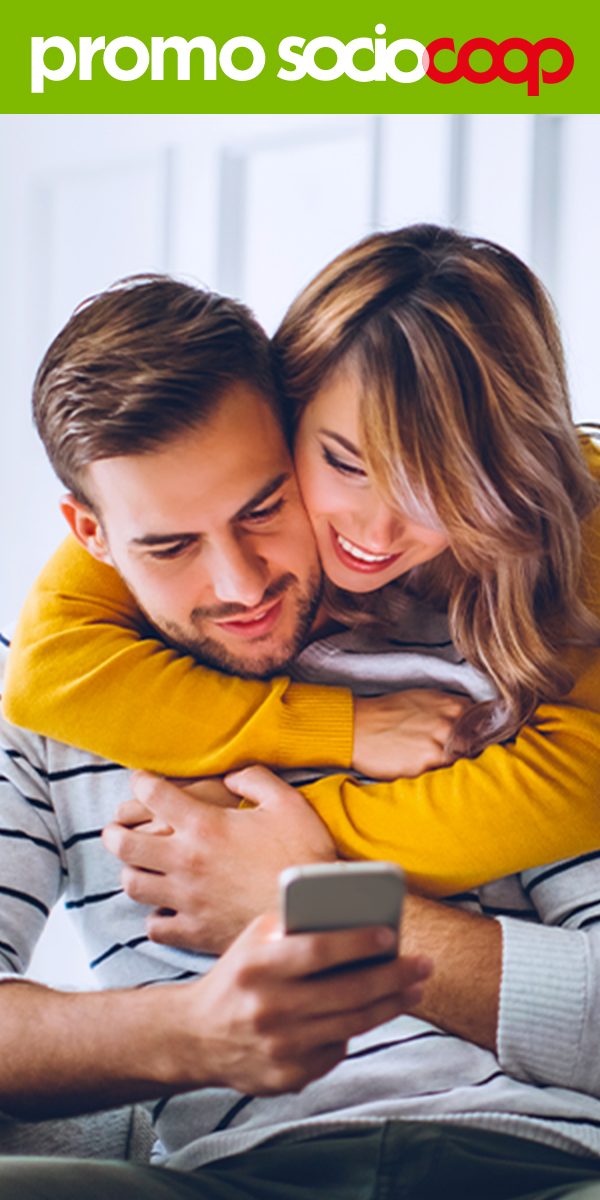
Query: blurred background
[253,206]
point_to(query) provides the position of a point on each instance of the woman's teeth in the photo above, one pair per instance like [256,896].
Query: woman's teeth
[361,555]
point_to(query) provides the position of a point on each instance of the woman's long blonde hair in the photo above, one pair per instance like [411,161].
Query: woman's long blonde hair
[464,413]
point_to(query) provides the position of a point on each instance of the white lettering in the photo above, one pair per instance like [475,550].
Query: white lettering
[354,72]
[286,53]
[242,73]
[325,43]
[302,56]
[88,47]
[420,53]
[39,70]
[183,50]
[126,74]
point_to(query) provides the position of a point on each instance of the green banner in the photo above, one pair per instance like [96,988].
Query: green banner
[335,57]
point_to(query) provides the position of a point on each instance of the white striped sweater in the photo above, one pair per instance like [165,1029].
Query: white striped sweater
[544,1084]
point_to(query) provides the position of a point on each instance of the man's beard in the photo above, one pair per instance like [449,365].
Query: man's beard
[274,661]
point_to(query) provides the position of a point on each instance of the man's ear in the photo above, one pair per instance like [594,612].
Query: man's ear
[86,527]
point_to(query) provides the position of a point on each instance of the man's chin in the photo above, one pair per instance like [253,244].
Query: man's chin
[260,659]
[262,664]
[249,662]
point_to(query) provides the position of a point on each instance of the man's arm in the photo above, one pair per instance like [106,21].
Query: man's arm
[549,1020]
[463,993]
[264,1020]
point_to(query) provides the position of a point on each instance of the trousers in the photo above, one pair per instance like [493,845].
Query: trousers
[398,1160]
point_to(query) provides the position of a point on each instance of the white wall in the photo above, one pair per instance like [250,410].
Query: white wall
[253,206]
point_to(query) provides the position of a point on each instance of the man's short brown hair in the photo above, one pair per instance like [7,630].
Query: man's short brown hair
[139,364]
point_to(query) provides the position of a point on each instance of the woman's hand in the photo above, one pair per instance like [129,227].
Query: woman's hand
[403,734]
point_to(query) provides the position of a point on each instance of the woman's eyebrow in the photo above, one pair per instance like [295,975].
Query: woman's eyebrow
[345,442]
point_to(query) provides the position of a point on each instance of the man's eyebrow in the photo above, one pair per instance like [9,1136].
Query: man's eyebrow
[263,493]
[345,442]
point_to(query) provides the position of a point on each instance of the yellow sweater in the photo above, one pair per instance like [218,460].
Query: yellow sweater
[81,658]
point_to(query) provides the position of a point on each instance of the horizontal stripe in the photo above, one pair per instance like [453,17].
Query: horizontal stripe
[560,869]
[67,772]
[137,941]
[169,979]
[26,898]
[583,1123]
[87,836]
[93,899]
[417,645]
[589,921]
[34,801]
[579,908]
[19,836]
[379,1046]
[522,914]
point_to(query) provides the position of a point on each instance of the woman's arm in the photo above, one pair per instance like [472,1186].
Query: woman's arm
[85,669]
[530,801]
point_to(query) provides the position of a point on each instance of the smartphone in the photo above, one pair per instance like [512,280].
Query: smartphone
[343,895]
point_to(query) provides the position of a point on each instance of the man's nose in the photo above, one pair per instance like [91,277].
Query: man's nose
[239,574]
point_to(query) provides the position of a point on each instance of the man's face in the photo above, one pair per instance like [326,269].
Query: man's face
[210,535]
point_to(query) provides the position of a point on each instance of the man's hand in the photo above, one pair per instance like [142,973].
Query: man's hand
[404,733]
[205,870]
[271,1016]
[266,1019]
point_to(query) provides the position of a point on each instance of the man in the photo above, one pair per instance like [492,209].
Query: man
[268,1019]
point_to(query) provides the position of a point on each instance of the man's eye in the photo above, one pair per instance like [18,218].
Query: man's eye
[170,551]
[264,514]
[338,464]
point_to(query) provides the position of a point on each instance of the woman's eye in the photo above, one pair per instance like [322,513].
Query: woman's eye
[340,465]
[264,514]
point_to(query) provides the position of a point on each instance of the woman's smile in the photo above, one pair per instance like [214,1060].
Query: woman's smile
[357,558]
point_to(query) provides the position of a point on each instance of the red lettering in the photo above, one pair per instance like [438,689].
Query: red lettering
[464,60]
[433,71]
[529,74]
[568,59]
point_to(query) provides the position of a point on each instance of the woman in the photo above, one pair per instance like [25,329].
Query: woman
[436,454]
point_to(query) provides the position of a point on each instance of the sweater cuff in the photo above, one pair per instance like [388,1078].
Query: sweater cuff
[543,998]
[316,727]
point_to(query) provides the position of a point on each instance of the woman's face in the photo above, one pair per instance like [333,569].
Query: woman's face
[363,542]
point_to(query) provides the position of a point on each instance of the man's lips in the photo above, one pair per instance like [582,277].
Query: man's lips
[256,623]
[356,558]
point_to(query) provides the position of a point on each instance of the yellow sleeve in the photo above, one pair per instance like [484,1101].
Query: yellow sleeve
[532,801]
[82,650]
